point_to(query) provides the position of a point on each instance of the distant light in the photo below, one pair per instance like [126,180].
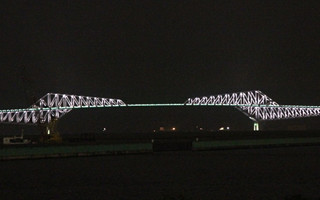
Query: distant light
[104,129]
[256,126]
[201,129]
[228,128]
[173,128]
[221,129]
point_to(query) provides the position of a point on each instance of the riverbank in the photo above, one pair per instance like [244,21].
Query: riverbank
[115,144]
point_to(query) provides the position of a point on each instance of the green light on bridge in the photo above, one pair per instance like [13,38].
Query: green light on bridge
[155,105]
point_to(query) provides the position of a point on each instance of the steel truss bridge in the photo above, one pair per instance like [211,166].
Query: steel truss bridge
[254,104]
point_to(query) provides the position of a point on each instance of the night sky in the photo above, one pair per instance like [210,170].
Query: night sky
[158,52]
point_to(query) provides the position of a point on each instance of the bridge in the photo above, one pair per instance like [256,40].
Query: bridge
[256,105]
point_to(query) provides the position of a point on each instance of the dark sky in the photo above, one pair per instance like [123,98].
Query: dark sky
[159,51]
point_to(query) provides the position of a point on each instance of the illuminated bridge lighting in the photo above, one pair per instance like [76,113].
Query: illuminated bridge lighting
[257,106]
[156,105]
[254,104]
[54,105]
[153,105]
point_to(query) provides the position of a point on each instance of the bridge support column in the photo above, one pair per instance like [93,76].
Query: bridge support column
[255,126]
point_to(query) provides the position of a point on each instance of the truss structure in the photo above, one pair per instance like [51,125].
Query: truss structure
[260,113]
[256,105]
[249,98]
[52,100]
[32,116]
[54,105]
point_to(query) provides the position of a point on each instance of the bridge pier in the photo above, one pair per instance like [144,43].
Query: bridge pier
[255,126]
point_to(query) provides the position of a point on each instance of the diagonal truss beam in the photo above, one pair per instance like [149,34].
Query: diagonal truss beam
[64,100]
[254,97]
[54,105]
[262,113]
[256,105]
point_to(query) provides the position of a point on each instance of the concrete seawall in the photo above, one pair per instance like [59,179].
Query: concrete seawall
[254,143]
[57,151]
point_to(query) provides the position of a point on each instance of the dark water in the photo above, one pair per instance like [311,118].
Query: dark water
[277,173]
